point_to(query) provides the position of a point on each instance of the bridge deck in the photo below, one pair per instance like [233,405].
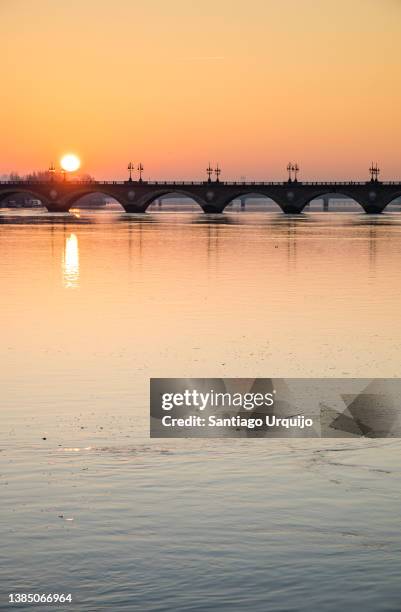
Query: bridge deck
[135,196]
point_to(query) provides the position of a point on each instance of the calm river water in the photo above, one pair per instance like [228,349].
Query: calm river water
[91,308]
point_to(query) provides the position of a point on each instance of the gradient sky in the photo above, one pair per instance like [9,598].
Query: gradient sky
[176,83]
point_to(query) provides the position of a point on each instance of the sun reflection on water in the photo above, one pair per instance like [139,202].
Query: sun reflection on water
[71,262]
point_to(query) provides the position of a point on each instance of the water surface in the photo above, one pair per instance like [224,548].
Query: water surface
[95,304]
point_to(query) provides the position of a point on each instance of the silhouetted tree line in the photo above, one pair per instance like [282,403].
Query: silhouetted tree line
[42,175]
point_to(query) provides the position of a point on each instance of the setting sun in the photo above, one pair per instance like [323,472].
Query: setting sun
[70,162]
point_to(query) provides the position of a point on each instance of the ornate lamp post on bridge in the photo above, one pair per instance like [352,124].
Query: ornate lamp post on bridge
[131,169]
[292,170]
[289,170]
[140,170]
[52,171]
[374,173]
[217,172]
[209,171]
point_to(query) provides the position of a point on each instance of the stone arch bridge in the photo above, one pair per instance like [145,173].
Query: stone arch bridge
[212,197]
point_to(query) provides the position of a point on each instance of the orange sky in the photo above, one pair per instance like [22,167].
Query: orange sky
[176,83]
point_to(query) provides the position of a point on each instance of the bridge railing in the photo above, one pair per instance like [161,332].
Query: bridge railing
[319,183]
[199,183]
[175,182]
[33,182]
[256,183]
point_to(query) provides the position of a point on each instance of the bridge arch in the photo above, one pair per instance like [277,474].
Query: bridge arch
[8,194]
[74,199]
[272,202]
[151,198]
[324,193]
[393,197]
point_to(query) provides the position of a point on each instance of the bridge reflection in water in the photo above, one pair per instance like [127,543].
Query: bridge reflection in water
[213,197]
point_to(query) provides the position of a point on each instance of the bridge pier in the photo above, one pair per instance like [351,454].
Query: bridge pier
[291,209]
[212,209]
[373,209]
[55,207]
[134,208]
